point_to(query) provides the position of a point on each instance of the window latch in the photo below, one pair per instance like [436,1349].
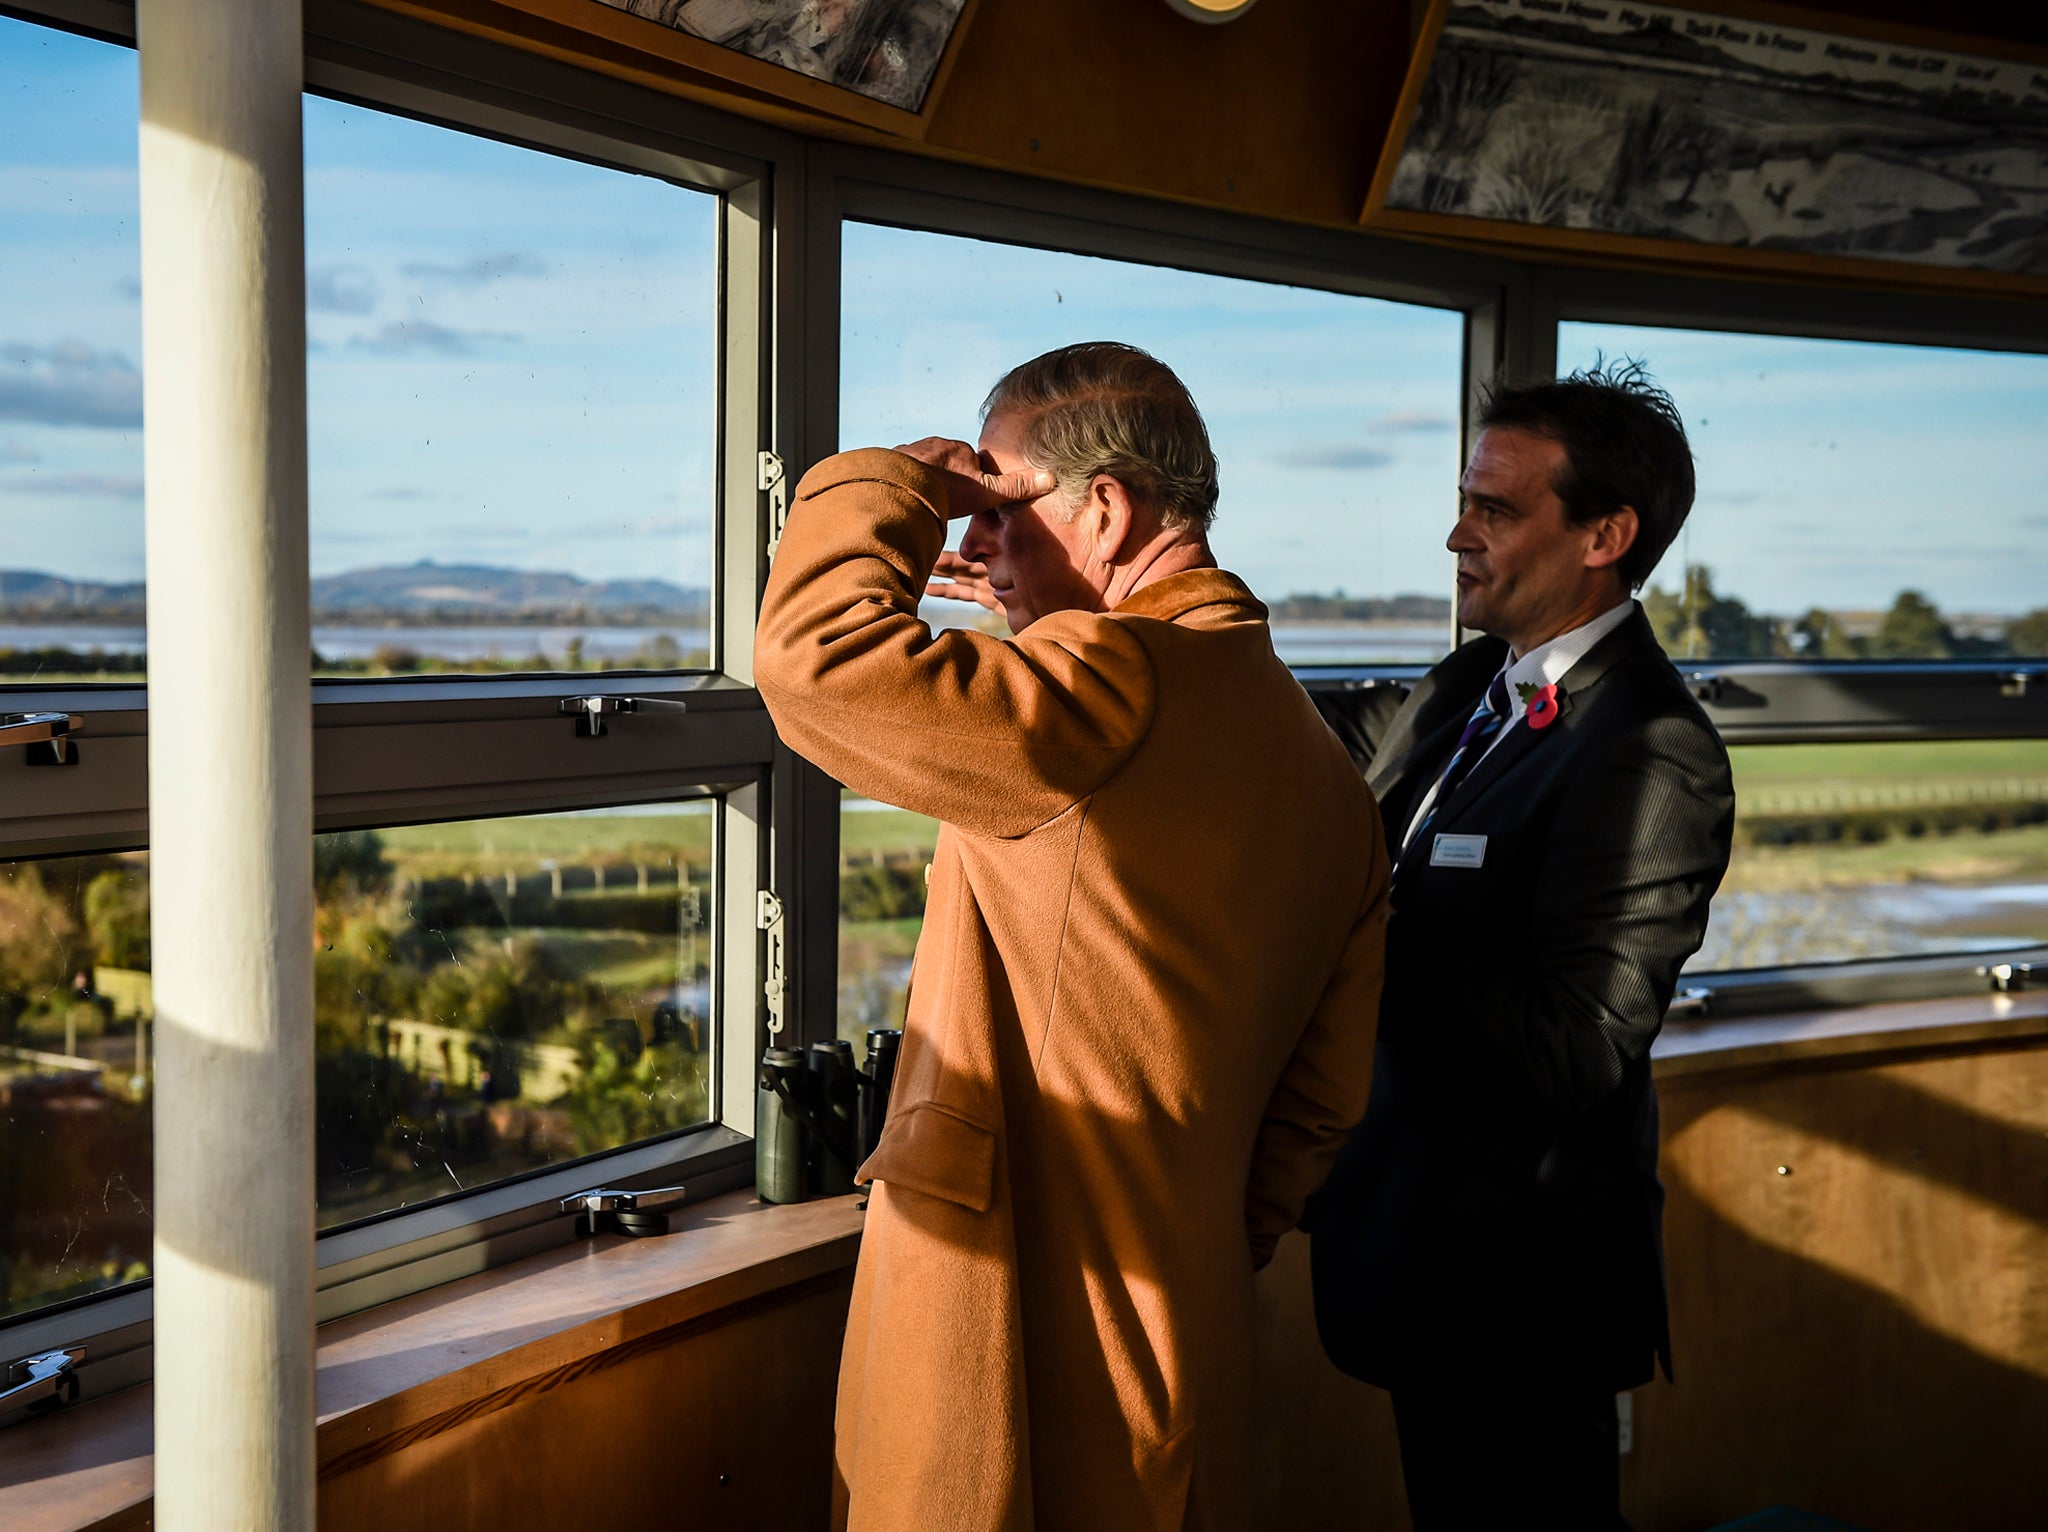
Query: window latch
[1707,686]
[609,1210]
[590,711]
[2007,977]
[774,987]
[773,482]
[47,736]
[2014,683]
[1690,1004]
[42,1382]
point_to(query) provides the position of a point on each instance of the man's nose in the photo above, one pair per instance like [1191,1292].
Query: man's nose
[1462,538]
[978,541]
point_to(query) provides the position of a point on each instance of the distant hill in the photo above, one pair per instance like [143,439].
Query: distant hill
[33,594]
[425,592]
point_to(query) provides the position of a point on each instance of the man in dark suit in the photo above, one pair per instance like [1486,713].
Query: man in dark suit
[1489,1248]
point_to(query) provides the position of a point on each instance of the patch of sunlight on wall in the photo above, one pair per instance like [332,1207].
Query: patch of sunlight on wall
[1961,1265]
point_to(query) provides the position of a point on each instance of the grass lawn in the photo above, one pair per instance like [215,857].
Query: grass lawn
[626,961]
[1765,767]
[584,835]
[884,829]
[2007,856]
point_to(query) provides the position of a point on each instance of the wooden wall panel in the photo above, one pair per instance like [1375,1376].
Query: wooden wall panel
[728,1427]
[1865,1337]
[1281,112]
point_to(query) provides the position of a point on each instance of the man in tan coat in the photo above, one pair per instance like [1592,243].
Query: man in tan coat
[1142,1013]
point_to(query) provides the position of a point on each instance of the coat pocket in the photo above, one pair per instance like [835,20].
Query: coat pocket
[926,1148]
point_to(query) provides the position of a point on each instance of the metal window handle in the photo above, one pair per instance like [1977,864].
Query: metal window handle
[2007,977]
[47,736]
[1690,1004]
[590,711]
[609,1210]
[42,1382]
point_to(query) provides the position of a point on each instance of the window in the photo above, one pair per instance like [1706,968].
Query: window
[1858,569]
[532,462]
[1856,501]
[1335,419]
[511,377]
[1880,850]
[70,359]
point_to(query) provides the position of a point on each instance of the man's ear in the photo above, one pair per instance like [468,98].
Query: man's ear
[1613,535]
[1113,516]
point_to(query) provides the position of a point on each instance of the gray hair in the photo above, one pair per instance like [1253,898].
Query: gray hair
[1105,407]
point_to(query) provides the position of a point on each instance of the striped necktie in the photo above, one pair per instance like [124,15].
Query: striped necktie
[1480,729]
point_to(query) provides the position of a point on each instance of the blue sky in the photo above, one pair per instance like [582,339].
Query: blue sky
[511,354]
[512,363]
[1334,418]
[1837,473]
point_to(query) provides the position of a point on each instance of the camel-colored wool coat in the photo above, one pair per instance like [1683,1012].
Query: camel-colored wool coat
[1141,1019]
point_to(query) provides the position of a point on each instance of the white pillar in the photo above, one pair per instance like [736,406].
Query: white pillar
[230,761]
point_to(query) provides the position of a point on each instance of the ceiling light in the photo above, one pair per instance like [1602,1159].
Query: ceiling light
[1212,10]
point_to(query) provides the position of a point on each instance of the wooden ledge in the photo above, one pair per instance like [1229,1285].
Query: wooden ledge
[1689,1050]
[406,1371]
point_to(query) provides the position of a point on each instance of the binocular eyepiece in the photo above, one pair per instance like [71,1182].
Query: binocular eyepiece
[817,1116]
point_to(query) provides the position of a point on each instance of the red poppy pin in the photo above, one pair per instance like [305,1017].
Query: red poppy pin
[1541,703]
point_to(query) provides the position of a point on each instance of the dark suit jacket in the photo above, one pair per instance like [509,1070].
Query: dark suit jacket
[1499,1207]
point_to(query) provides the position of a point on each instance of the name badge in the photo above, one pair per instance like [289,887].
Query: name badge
[1458,851]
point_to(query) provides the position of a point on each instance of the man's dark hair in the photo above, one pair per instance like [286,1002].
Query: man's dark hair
[1624,445]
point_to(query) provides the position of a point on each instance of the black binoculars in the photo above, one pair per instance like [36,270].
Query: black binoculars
[817,1116]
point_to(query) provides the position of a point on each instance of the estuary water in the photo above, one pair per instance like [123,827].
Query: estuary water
[1298,643]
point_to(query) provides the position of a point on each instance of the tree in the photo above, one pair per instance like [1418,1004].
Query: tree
[117,917]
[349,861]
[1701,624]
[2028,635]
[1819,635]
[1913,630]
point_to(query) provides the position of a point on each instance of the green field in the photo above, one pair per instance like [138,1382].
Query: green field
[888,830]
[484,846]
[1763,767]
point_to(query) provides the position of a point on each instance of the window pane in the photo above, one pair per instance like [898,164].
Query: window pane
[496,995]
[511,378]
[70,359]
[512,408]
[75,1183]
[883,854]
[1883,850]
[491,997]
[1856,501]
[1335,418]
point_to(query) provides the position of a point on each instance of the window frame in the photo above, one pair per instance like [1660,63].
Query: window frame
[1759,702]
[1513,310]
[784,201]
[398,751]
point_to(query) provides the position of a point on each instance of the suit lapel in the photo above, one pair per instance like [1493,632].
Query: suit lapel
[1521,739]
[1422,737]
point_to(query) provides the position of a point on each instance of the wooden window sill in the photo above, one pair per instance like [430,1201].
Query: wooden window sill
[1687,1050]
[404,1372]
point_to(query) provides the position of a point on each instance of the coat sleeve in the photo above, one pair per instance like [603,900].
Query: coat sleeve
[1633,856]
[1322,1092]
[995,737]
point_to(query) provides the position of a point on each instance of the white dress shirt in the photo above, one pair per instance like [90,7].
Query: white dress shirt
[1545,665]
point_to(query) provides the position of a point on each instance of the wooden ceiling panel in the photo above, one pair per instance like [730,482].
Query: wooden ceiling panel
[1280,112]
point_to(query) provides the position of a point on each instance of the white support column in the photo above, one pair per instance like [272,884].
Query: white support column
[230,761]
